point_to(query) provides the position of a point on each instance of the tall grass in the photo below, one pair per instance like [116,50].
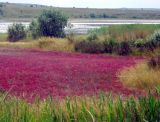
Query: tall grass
[44,43]
[81,109]
[141,76]
[131,32]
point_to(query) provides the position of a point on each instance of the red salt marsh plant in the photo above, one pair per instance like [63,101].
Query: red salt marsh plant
[35,73]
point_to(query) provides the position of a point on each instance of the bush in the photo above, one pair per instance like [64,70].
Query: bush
[110,46]
[139,43]
[1,12]
[92,36]
[155,38]
[16,32]
[52,23]
[124,48]
[86,46]
[34,29]
[154,62]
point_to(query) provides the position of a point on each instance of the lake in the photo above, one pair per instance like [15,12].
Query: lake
[82,26]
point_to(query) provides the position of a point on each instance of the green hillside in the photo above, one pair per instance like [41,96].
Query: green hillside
[26,12]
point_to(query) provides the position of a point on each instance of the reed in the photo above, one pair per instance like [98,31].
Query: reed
[100,108]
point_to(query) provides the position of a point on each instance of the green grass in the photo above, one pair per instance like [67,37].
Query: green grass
[3,37]
[130,32]
[82,109]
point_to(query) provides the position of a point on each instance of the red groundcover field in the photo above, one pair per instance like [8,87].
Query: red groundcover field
[29,73]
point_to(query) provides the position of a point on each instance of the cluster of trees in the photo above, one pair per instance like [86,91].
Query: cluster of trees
[50,23]
[1,11]
[103,15]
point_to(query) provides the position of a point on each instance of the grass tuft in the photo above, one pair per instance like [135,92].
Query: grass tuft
[140,76]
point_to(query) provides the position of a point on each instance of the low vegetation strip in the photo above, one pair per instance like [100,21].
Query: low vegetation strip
[35,73]
[102,108]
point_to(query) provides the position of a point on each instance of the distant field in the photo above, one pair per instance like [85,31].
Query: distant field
[26,12]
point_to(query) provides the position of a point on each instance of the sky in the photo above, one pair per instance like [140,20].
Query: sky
[93,3]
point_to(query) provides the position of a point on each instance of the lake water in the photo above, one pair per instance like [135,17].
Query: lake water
[83,26]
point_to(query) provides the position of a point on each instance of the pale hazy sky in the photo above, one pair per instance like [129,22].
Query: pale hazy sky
[94,3]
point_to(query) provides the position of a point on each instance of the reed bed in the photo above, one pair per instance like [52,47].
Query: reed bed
[102,108]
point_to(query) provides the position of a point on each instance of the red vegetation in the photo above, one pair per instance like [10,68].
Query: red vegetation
[30,73]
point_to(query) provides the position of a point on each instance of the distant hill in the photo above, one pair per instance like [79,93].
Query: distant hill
[27,12]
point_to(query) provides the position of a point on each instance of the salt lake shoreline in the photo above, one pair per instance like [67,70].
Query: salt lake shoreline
[81,26]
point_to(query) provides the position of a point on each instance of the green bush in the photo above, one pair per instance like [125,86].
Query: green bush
[52,23]
[34,29]
[155,38]
[16,32]
[139,43]
[124,48]
[86,46]
[110,46]
[92,36]
[1,12]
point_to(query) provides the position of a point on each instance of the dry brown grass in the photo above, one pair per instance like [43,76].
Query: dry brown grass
[140,76]
[44,43]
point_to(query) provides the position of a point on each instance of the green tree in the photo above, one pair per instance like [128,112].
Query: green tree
[34,29]
[1,12]
[16,32]
[52,23]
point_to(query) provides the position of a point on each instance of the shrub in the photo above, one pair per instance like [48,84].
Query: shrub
[52,23]
[34,29]
[139,43]
[86,46]
[124,48]
[154,62]
[16,32]
[92,36]
[155,38]
[110,46]
[92,15]
[1,12]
